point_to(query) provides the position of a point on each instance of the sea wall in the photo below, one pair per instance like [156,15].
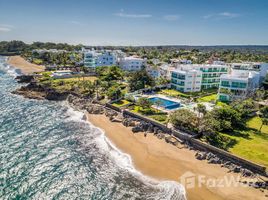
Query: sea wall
[195,143]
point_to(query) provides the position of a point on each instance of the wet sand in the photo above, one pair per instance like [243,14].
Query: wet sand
[163,161]
[24,66]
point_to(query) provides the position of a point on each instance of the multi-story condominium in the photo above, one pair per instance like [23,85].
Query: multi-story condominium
[132,63]
[238,84]
[209,73]
[153,71]
[252,66]
[166,70]
[95,59]
[187,80]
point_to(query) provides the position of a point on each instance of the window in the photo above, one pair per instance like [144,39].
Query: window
[225,84]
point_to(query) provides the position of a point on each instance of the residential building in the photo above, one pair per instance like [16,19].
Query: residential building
[209,74]
[238,84]
[95,59]
[132,63]
[187,80]
[252,66]
[153,71]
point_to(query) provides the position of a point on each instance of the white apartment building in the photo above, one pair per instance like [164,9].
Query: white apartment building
[95,59]
[252,66]
[187,80]
[132,63]
[238,84]
[210,75]
[153,71]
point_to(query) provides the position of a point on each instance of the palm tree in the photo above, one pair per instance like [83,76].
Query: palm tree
[263,114]
[264,121]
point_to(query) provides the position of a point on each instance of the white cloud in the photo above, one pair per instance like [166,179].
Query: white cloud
[6,27]
[76,22]
[122,14]
[229,15]
[223,15]
[171,17]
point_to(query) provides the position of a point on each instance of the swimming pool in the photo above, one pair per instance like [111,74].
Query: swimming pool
[165,103]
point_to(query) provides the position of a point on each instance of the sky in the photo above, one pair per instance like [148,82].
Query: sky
[136,22]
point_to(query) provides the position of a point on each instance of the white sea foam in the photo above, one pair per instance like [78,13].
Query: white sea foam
[167,189]
[9,69]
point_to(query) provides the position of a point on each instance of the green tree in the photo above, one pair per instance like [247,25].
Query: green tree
[144,103]
[184,119]
[201,109]
[228,117]
[263,114]
[139,80]
[114,92]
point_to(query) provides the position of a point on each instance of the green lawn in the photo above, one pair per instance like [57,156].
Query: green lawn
[254,144]
[152,113]
[173,93]
[255,123]
[209,98]
[121,103]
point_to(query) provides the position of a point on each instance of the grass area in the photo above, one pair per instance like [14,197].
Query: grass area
[88,78]
[121,103]
[152,113]
[219,103]
[173,93]
[255,123]
[209,98]
[251,144]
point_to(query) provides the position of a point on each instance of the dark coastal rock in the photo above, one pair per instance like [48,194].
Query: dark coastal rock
[156,130]
[247,173]
[171,140]
[150,129]
[136,129]
[130,122]
[110,113]
[24,78]
[201,155]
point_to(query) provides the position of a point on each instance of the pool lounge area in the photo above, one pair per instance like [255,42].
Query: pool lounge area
[165,103]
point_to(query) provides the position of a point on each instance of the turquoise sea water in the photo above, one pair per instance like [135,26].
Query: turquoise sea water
[48,152]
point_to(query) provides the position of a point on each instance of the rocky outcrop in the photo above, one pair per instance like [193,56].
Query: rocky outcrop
[36,91]
[24,78]
[85,104]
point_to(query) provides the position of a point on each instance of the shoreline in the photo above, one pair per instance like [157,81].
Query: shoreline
[161,161]
[157,159]
[24,66]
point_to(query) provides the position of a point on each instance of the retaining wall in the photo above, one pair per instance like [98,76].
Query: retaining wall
[155,123]
[197,143]
[221,153]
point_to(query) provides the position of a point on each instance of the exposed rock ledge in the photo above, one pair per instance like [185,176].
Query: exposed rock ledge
[36,91]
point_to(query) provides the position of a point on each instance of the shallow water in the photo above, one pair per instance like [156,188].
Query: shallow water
[48,152]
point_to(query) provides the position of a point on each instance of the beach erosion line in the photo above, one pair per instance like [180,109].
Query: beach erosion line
[168,190]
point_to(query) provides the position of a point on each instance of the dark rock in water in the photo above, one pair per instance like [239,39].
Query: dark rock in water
[24,78]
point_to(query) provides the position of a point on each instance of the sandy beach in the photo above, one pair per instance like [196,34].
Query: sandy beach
[159,160]
[24,66]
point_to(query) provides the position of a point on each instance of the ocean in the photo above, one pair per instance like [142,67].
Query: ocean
[48,152]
